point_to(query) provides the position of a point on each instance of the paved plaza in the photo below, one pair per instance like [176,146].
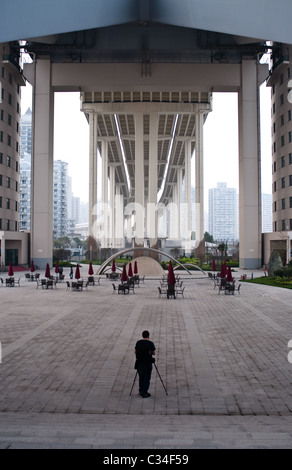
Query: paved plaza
[68,367]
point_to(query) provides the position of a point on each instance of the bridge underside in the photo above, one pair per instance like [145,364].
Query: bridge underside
[146,88]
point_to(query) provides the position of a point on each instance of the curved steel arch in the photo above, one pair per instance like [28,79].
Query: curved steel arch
[127,250]
[190,264]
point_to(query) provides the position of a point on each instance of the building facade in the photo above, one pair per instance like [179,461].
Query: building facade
[11,80]
[223,213]
[25,171]
[60,199]
[280,81]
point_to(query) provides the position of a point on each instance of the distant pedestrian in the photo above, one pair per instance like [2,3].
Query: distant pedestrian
[71,273]
[144,351]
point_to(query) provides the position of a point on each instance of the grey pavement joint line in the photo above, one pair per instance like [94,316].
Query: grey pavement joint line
[202,366]
[20,342]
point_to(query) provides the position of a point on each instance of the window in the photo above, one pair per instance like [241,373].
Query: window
[290,202]
[9,140]
[7,203]
[283,225]
[283,183]
[275,206]
[0,180]
[8,161]
[1,201]
[275,227]
[290,180]
[275,186]
[281,100]
[2,115]
[1,136]
[290,158]
[283,203]
[282,140]
[7,224]
[290,224]
[282,162]
[0,224]
[9,98]
[289,115]
[1,157]
[282,120]
[8,182]
[275,166]
[290,136]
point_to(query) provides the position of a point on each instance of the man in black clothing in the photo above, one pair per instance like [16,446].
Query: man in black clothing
[144,351]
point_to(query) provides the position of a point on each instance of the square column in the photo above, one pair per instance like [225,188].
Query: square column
[249,169]
[199,175]
[152,216]
[139,179]
[42,166]
[92,206]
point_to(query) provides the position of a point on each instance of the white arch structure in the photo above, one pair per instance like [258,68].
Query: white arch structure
[127,250]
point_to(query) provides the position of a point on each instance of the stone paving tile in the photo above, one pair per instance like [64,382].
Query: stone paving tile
[71,354]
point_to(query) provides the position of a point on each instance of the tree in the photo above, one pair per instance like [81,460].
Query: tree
[62,243]
[208,237]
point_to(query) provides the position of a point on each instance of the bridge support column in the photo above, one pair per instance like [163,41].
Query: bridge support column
[42,166]
[139,179]
[199,176]
[92,206]
[104,194]
[249,169]
[152,216]
[188,197]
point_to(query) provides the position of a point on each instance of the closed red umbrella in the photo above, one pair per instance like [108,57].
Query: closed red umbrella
[229,275]
[32,268]
[47,273]
[77,272]
[10,270]
[90,270]
[214,265]
[135,268]
[222,272]
[130,271]
[171,278]
[57,267]
[124,277]
[114,266]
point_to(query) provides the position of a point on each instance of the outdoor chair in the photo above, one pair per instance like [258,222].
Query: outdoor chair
[180,291]
[222,285]
[27,276]
[114,288]
[68,285]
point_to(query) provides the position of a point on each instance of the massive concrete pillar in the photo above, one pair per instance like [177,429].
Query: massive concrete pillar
[112,206]
[139,179]
[249,169]
[188,196]
[199,177]
[92,175]
[104,194]
[42,166]
[152,216]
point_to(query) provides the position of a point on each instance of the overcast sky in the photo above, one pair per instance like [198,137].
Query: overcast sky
[71,140]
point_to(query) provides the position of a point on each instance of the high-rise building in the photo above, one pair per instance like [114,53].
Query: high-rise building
[12,244]
[223,213]
[60,199]
[281,84]
[25,171]
[267,220]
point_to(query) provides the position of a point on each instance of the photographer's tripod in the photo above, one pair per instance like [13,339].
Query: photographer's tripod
[158,376]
